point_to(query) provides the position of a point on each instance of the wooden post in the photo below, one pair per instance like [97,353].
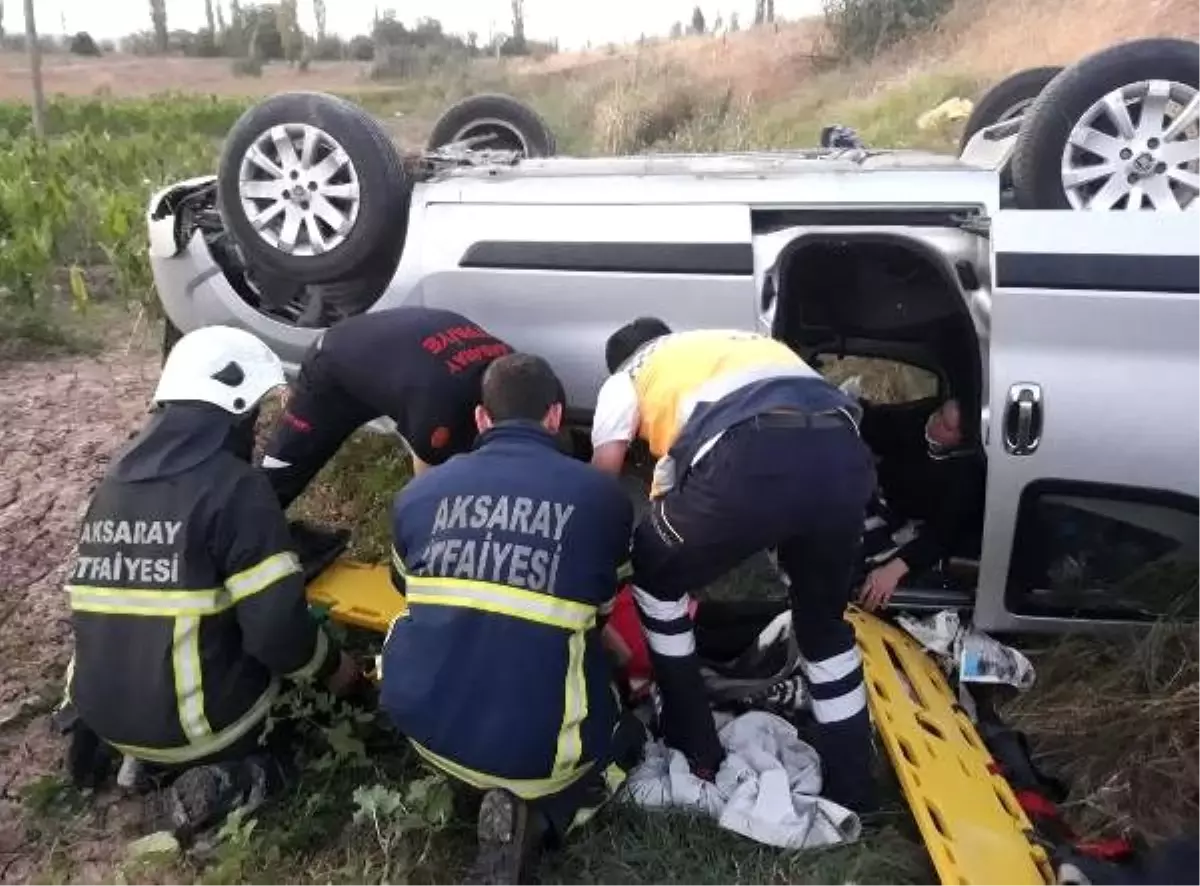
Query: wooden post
[35,71]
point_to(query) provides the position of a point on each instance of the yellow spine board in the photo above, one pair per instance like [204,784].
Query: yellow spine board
[358,594]
[971,822]
[973,826]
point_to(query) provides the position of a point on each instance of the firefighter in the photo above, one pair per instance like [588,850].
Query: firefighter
[755,451]
[418,366]
[187,601]
[509,557]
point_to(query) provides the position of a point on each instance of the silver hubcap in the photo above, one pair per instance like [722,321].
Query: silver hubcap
[484,133]
[299,189]
[1136,148]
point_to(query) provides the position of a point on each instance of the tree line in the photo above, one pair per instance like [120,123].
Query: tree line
[272,32]
[253,33]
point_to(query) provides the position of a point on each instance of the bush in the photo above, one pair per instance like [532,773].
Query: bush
[644,111]
[361,49]
[247,66]
[83,44]
[330,49]
[410,62]
[205,45]
[861,29]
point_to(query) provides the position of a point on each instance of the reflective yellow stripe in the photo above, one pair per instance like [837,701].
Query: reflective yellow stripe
[189,681]
[258,578]
[172,604]
[525,788]
[500,599]
[133,601]
[387,639]
[215,742]
[614,777]
[67,678]
[624,571]
[320,652]
[575,707]
[398,562]
[541,609]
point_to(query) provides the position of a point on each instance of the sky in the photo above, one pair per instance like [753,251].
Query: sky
[573,22]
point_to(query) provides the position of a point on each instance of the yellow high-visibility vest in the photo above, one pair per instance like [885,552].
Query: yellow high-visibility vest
[675,372]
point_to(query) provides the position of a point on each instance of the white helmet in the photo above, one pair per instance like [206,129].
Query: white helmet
[226,367]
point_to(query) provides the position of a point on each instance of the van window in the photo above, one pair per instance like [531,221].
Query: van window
[1105,552]
[881,381]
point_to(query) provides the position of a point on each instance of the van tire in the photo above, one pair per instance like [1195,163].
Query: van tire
[171,335]
[382,194]
[1008,98]
[513,124]
[1037,161]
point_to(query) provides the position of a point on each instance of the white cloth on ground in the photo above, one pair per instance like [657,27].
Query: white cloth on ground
[766,789]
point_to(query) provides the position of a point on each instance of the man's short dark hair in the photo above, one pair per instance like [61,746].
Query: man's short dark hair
[520,386]
[622,343]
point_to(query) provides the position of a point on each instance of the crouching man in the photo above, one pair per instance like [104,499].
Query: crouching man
[421,367]
[508,556]
[755,451]
[186,599]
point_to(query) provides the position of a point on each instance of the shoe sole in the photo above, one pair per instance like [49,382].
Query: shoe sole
[501,832]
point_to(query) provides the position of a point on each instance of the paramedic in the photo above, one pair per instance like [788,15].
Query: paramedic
[509,557]
[187,602]
[929,479]
[418,366]
[755,451]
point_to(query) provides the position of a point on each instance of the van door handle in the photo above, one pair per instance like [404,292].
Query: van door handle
[1023,419]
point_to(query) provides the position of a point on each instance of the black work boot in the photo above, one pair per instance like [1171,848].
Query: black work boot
[504,840]
[203,796]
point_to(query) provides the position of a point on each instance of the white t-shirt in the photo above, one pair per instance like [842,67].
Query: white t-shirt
[616,417]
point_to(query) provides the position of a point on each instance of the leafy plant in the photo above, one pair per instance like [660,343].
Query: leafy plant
[425,808]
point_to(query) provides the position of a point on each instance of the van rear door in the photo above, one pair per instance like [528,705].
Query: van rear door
[1093,423]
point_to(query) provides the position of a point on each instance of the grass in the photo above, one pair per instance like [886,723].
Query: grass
[1118,720]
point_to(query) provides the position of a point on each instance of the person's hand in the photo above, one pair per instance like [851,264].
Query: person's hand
[881,583]
[346,678]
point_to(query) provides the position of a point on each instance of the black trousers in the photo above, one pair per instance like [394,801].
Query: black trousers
[319,416]
[768,483]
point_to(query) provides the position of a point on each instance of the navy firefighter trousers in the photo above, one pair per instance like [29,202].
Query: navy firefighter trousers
[777,481]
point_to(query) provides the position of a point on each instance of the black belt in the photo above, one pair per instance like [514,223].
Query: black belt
[796,419]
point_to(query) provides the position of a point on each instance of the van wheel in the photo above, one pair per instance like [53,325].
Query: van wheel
[311,188]
[171,335]
[498,122]
[1117,130]
[1009,98]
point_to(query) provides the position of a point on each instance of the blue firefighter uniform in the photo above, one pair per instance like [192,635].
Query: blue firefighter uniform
[509,556]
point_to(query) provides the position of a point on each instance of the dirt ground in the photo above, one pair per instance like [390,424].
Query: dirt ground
[63,420]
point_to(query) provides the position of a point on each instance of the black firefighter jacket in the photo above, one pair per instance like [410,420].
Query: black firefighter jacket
[187,601]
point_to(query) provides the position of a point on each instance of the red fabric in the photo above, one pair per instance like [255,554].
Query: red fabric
[1039,807]
[1112,849]
[1035,804]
